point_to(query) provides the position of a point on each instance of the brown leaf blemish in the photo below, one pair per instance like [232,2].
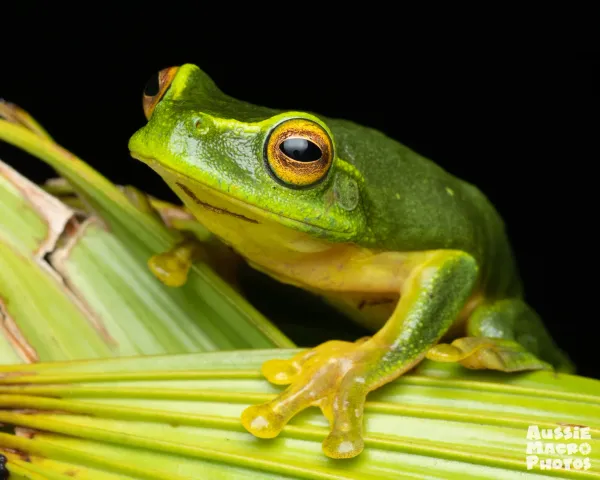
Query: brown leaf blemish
[25,432]
[571,425]
[10,329]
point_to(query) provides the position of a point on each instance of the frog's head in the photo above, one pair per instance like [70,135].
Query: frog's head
[247,161]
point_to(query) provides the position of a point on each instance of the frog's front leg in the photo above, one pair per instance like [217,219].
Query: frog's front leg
[172,267]
[337,376]
[195,243]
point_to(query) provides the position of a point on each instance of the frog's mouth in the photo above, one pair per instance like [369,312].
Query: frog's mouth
[260,212]
[213,208]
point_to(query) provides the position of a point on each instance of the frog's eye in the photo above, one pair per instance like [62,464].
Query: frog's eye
[299,152]
[156,87]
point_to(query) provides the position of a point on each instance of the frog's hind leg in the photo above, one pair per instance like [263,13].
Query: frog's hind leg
[506,335]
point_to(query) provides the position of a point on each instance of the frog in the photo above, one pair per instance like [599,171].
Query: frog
[418,256]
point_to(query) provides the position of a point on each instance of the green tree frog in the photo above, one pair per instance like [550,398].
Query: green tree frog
[399,244]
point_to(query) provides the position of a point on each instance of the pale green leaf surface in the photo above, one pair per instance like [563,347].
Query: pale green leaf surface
[178,416]
[29,291]
[159,320]
[20,224]
[31,294]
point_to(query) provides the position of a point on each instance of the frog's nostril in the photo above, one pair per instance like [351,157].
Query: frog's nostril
[201,126]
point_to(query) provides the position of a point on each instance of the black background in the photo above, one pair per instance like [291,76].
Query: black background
[481,114]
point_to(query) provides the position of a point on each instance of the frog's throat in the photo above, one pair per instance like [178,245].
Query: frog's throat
[260,212]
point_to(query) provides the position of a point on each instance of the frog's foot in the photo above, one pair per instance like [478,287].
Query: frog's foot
[333,377]
[487,353]
[172,267]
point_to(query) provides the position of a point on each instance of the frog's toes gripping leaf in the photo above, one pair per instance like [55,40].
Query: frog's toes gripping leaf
[332,377]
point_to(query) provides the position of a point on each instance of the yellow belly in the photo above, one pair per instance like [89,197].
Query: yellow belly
[364,283]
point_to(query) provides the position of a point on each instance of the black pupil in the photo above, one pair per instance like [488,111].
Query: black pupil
[152,87]
[300,149]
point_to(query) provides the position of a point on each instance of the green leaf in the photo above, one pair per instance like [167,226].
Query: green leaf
[177,417]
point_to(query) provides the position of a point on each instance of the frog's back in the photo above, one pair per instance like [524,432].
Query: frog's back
[413,204]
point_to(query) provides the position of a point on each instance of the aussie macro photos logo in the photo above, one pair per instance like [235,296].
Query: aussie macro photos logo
[565,447]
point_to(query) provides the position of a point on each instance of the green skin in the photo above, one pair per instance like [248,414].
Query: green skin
[451,264]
